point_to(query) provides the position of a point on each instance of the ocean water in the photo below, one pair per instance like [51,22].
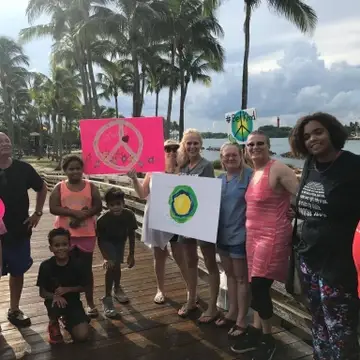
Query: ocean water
[279,146]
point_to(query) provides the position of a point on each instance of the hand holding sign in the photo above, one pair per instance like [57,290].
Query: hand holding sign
[2,213]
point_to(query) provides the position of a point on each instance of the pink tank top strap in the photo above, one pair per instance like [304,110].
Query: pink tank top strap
[268,167]
[264,182]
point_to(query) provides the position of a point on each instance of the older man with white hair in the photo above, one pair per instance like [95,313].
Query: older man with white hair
[16,178]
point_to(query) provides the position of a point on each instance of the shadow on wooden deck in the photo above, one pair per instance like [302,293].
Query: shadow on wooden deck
[146,331]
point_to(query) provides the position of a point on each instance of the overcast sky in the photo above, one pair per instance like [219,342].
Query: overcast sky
[290,74]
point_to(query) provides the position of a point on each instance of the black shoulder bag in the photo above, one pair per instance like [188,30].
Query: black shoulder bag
[294,284]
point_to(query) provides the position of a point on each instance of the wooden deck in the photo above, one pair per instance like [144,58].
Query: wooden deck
[145,331]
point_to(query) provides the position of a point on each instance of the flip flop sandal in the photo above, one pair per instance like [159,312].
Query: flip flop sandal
[159,299]
[92,312]
[234,329]
[224,322]
[184,311]
[211,320]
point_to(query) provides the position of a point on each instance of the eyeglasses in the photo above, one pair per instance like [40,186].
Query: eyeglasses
[170,149]
[259,143]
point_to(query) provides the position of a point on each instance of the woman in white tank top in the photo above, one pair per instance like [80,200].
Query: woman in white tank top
[156,239]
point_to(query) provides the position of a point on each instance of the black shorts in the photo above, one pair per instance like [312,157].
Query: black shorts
[86,258]
[73,314]
[115,251]
[174,239]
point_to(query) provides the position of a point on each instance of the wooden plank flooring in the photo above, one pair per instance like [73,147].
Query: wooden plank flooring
[146,331]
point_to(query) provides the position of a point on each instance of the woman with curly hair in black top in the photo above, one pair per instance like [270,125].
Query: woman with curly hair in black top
[328,204]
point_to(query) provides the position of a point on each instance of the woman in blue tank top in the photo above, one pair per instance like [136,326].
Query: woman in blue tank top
[231,236]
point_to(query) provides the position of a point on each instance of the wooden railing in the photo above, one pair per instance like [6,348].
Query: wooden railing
[284,305]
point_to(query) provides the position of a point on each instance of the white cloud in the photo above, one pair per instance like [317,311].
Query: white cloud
[289,73]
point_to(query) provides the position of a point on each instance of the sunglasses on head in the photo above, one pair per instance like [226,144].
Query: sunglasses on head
[259,143]
[170,149]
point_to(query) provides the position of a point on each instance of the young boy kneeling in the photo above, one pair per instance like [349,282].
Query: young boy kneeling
[61,280]
[113,229]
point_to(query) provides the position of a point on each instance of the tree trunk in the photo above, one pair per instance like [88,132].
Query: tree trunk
[182,98]
[85,93]
[55,140]
[142,94]
[41,142]
[83,82]
[116,106]
[171,91]
[157,107]
[136,92]
[7,114]
[245,78]
[88,87]
[93,83]
[60,139]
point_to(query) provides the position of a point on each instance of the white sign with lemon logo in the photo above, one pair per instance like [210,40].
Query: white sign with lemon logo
[185,205]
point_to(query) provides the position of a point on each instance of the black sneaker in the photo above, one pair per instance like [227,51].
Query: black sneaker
[248,341]
[266,348]
[18,318]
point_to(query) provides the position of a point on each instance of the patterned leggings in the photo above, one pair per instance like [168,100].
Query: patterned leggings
[334,318]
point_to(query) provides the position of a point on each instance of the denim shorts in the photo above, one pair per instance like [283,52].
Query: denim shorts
[232,251]
[16,258]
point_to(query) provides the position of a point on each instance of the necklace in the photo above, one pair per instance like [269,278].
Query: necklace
[329,166]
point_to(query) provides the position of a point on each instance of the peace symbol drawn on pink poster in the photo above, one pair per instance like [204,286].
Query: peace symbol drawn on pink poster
[115,146]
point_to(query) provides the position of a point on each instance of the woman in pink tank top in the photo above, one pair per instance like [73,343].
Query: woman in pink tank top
[268,239]
[75,202]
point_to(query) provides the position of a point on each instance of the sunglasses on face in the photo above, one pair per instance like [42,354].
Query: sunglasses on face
[259,143]
[170,149]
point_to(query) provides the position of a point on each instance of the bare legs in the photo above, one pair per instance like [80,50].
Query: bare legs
[159,267]
[16,285]
[160,257]
[238,291]
[192,260]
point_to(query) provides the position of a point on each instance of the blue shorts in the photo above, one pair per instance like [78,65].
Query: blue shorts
[232,251]
[16,258]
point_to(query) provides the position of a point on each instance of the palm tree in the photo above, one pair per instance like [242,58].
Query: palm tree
[197,66]
[130,24]
[159,72]
[12,72]
[301,15]
[196,35]
[115,77]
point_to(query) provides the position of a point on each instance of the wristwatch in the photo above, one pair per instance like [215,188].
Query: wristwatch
[38,213]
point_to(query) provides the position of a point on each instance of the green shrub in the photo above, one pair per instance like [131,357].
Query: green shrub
[217,165]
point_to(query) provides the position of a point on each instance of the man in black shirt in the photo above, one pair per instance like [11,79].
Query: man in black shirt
[61,279]
[16,178]
[113,229]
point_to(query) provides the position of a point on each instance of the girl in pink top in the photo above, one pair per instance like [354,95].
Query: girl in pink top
[268,239]
[75,202]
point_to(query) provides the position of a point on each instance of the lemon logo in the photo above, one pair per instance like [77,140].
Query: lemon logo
[241,126]
[183,203]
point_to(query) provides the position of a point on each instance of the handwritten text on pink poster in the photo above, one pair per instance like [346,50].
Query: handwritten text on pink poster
[115,146]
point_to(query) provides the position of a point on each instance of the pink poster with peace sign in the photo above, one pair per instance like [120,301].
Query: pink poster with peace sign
[115,146]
